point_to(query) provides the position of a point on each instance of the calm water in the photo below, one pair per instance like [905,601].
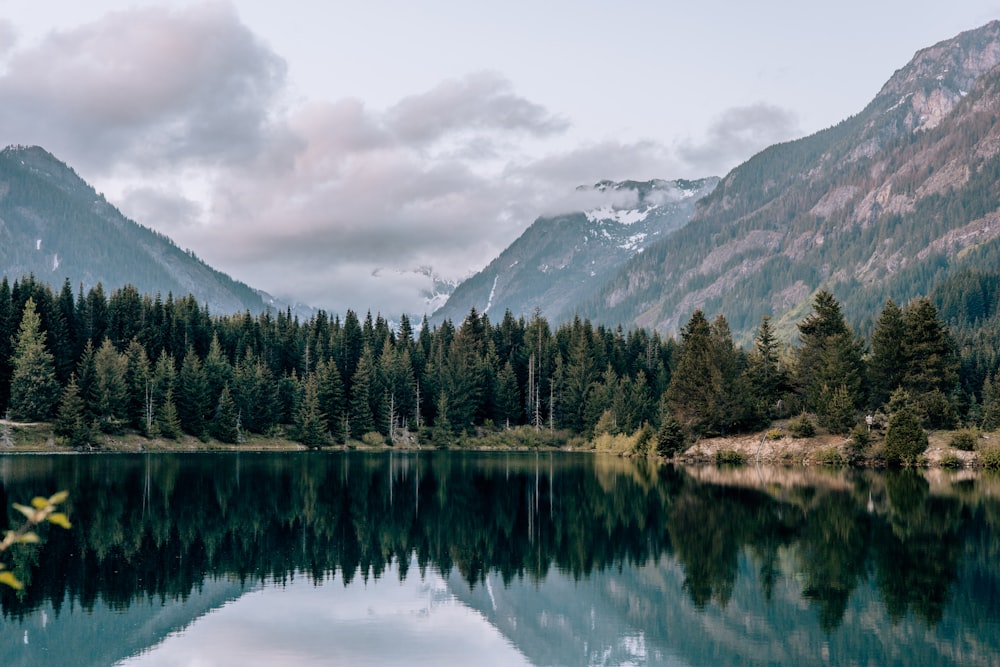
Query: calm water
[499,559]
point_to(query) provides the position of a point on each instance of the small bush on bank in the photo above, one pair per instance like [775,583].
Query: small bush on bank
[373,439]
[802,427]
[830,456]
[965,439]
[951,461]
[730,457]
[905,438]
[989,457]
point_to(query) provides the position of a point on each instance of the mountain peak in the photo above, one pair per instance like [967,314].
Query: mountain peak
[927,88]
[561,260]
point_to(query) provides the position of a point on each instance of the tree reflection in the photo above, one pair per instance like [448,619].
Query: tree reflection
[156,527]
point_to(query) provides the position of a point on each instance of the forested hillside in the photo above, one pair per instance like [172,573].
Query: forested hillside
[92,363]
[887,204]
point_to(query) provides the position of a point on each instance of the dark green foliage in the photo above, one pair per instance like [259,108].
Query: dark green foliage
[167,421]
[670,436]
[192,395]
[802,427]
[310,422]
[905,438]
[224,423]
[838,415]
[480,375]
[965,439]
[34,390]
[829,356]
[71,421]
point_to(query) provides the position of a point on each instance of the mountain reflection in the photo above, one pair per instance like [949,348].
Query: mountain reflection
[155,528]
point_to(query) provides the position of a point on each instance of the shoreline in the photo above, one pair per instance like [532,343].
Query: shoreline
[821,450]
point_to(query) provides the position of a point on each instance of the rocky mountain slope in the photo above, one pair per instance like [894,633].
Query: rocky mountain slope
[560,261]
[886,204]
[55,226]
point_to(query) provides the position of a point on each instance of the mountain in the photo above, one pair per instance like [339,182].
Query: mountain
[888,203]
[561,260]
[56,226]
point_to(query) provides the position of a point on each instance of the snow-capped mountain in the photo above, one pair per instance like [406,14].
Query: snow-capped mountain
[561,260]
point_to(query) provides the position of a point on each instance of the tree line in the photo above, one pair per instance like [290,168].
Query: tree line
[93,363]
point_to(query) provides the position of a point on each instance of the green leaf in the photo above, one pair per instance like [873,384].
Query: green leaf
[60,519]
[28,538]
[9,579]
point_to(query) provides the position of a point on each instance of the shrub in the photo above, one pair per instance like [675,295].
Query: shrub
[951,461]
[373,439]
[643,440]
[905,438]
[802,427]
[775,434]
[830,456]
[730,457]
[965,439]
[669,437]
[989,457]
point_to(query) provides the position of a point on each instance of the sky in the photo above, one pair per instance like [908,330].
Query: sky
[339,154]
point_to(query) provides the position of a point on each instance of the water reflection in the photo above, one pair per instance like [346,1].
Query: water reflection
[575,559]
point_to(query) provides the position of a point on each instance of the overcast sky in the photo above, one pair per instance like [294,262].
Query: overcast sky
[323,151]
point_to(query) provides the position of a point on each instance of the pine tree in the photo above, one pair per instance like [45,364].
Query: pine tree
[885,366]
[71,422]
[359,410]
[695,391]
[509,397]
[905,438]
[224,422]
[218,370]
[6,339]
[110,389]
[991,403]
[138,378]
[168,422]
[310,423]
[829,356]
[929,363]
[670,435]
[192,395]
[34,391]
[330,393]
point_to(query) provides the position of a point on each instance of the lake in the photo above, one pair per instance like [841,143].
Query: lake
[454,558]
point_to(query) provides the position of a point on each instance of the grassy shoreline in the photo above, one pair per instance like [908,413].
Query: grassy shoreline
[771,447]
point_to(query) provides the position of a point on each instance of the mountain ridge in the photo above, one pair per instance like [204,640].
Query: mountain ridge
[54,225]
[884,204]
[560,258]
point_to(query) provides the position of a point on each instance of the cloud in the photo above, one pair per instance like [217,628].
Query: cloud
[8,35]
[737,133]
[181,117]
[480,101]
[146,87]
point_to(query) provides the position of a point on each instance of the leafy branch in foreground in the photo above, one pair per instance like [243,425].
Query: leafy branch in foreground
[42,510]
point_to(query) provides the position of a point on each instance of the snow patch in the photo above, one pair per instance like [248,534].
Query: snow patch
[621,216]
[632,242]
[493,290]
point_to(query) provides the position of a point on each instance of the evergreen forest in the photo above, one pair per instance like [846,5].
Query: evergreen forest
[96,363]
